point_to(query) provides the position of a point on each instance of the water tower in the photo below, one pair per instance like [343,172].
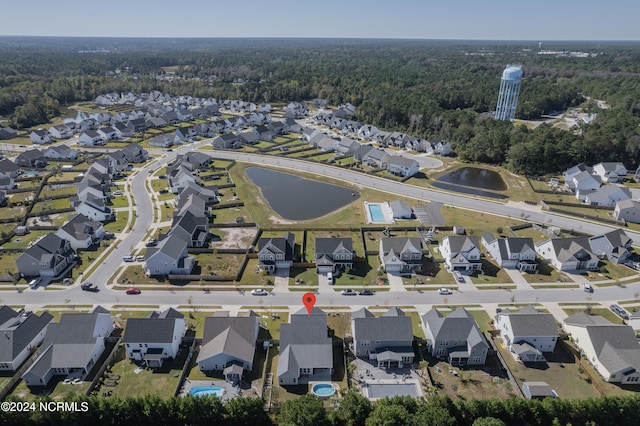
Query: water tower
[509,91]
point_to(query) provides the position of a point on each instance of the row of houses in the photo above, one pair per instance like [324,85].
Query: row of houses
[191,218]
[265,131]
[365,132]
[463,253]
[587,183]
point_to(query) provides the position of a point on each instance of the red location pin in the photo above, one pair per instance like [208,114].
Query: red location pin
[309,299]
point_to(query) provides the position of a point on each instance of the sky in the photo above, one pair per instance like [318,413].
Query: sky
[413,19]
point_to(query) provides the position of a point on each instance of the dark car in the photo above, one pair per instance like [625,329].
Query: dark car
[152,242]
[366,292]
[87,286]
[133,290]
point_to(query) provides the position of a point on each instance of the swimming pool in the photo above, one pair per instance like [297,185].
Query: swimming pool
[323,390]
[376,212]
[31,173]
[207,391]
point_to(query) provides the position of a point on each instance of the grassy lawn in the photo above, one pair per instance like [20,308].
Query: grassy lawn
[54,190]
[603,312]
[220,264]
[560,372]
[270,323]
[11,212]
[161,382]
[482,319]
[308,276]
[252,276]
[545,274]
[416,324]
[362,274]
[355,236]
[25,240]
[134,274]
[474,222]
[119,201]
[118,224]
[158,184]
[229,215]
[492,274]
[340,323]
[610,271]
[166,212]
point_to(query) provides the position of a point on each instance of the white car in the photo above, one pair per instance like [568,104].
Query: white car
[445,291]
[587,287]
[259,292]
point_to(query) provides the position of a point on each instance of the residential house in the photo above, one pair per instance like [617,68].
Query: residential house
[346,147]
[156,122]
[511,253]
[386,339]
[122,130]
[228,344]
[162,141]
[81,232]
[61,131]
[584,182]
[612,349]
[4,199]
[60,152]
[169,257]
[208,194]
[455,337]
[192,228]
[95,208]
[71,346]
[461,253]
[306,350]
[396,139]
[227,141]
[367,132]
[276,253]
[401,254]
[40,137]
[327,144]
[571,172]
[7,133]
[628,211]
[91,138]
[248,138]
[537,390]
[264,133]
[610,172]
[137,124]
[293,125]
[181,176]
[401,209]
[134,153]
[568,254]
[108,133]
[51,257]
[439,147]
[155,338]
[376,158]
[185,134]
[22,332]
[9,168]
[615,246]
[607,195]
[527,333]
[33,158]
[6,182]
[333,254]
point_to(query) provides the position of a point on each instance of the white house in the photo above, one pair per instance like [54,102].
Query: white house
[612,348]
[81,232]
[527,333]
[511,253]
[568,254]
[607,195]
[401,254]
[94,208]
[61,131]
[402,166]
[627,210]
[61,152]
[169,257]
[90,138]
[461,253]
[40,137]
[22,332]
[610,172]
[155,338]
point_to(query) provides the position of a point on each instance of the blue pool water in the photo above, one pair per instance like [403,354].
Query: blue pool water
[207,391]
[323,390]
[376,213]
[31,173]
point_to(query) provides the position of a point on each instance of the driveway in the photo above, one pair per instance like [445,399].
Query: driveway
[518,279]
[395,282]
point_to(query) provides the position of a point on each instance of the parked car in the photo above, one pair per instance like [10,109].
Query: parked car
[133,290]
[118,192]
[88,286]
[139,258]
[617,309]
[587,287]
[259,292]
[152,242]
[108,236]
[366,292]
[348,292]
[458,276]
[129,259]
[34,283]
[445,291]
[330,278]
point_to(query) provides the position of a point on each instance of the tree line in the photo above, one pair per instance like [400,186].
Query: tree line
[424,88]
[353,410]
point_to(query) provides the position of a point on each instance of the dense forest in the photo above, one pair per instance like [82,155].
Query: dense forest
[431,89]
[353,410]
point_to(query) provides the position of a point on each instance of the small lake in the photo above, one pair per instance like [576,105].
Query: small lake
[296,198]
[475,178]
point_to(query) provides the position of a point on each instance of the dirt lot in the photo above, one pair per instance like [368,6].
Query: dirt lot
[233,238]
[471,383]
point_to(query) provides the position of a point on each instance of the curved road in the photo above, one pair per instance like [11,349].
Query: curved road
[145,217]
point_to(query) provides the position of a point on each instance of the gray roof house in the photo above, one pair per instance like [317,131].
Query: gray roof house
[537,390]
[461,253]
[568,254]
[227,141]
[81,232]
[169,257]
[511,253]
[607,195]
[306,352]
[71,346]
[401,209]
[333,254]
[32,158]
[455,337]
[276,253]
[153,339]
[8,167]
[614,246]
[50,257]
[402,166]
[628,211]
[23,332]
[228,343]
[385,339]
[192,228]
[612,348]
[527,333]
[610,171]
[60,152]
[377,158]
[401,254]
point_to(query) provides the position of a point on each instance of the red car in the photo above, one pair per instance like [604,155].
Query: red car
[133,290]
